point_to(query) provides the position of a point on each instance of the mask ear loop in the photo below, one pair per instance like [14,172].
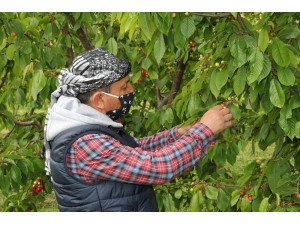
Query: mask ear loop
[115,96]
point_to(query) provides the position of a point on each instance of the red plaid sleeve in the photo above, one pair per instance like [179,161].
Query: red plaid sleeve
[159,158]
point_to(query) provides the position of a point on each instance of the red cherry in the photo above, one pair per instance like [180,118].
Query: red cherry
[297,195]
[247,188]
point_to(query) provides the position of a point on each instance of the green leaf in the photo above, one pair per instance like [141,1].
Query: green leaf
[232,152]
[199,83]
[112,46]
[197,201]
[234,14]
[159,199]
[211,192]
[10,52]
[1,37]
[187,27]
[169,115]
[159,48]
[20,96]
[280,52]
[168,202]
[285,76]
[236,112]
[4,183]
[127,20]
[18,28]
[273,175]
[48,55]
[222,78]
[245,205]
[235,196]
[237,49]
[38,83]
[212,83]
[48,31]
[22,166]
[153,75]
[276,93]
[34,22]
[288,125]
[266,103]
[222,201]
[263,207]
[265,70]
[256,65]
[239,81]
[179,39]
[15,174]
[194,104]
[178,194]
[288,32]
[161,24]
[29,165]
[145,23]
[263,40]
[297,132]
[27,47]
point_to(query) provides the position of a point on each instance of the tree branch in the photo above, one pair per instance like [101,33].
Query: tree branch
[27,123]
[241,21]
[69,50]
[81,32]
[213,15]
[3,79]
[175,85]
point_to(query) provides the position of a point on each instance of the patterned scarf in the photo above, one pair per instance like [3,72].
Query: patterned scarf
[89,71]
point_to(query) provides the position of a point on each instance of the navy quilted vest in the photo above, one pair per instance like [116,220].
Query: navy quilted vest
[74,195]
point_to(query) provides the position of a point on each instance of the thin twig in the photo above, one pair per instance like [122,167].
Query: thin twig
[29,123]
[213,15]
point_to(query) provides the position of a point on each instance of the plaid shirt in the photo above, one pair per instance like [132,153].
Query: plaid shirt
[158,159]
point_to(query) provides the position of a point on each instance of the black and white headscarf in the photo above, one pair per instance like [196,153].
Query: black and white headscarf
[89,71]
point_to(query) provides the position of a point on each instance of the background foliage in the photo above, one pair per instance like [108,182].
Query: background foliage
[182,64]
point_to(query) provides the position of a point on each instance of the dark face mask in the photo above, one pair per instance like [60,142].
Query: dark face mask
[126,102]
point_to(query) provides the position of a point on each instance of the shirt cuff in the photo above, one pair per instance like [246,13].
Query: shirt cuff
[198,129]
[204,132]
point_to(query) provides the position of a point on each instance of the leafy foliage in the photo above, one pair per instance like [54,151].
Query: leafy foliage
[182,64]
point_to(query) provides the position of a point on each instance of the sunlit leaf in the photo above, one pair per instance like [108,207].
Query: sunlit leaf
[276,93]
[211,192]
[159,48]
[285,76]
[263,40]
[197,201]
[187,27]
[280,52]
[256,65]
[263,207]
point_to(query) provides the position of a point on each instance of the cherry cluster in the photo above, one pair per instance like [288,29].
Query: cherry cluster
[192,44]
[38,186]
[144,73]
[245,195]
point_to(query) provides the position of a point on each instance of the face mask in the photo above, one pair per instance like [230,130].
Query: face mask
[126,102]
